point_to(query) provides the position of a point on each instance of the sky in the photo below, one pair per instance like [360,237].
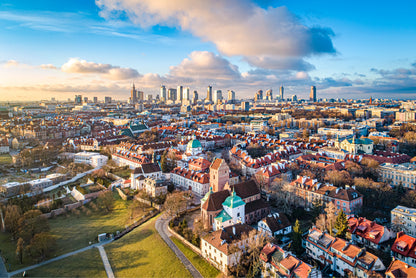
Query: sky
[354,49]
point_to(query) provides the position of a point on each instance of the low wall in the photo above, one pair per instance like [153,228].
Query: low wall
[149,203]
[184,241]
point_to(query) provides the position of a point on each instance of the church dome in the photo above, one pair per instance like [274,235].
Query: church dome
[193,144]
[233,201]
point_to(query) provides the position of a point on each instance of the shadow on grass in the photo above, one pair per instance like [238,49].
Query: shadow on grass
[131,259]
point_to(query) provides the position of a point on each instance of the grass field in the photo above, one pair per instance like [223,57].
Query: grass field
[5,159]
[74,231]
[85,264]
[202,265]
[143,253]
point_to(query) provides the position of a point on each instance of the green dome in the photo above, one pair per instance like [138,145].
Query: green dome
[233,201]
[194,143]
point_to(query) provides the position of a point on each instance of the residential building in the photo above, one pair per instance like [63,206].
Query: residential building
[275,224]
[155,187]
[399,269]
[340,255]
[186,179]
[404,249]
[368,233]
[310,190]
[398,174]
[217,247]
[405,219]
[91,158]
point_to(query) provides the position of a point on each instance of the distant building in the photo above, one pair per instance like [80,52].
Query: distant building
[258,96]
[405,219]
[281,93]
[269,95]
[107,100]
[91,158]
[195,97]
[358,145]
[209,94]
[78,99]
[312,95]
[179,93]
[163,93]
[231,96]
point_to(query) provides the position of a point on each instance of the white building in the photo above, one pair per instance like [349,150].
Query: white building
[187,179]
[233,212]
[398,174]
[406,217]
[91,158]
[275,224]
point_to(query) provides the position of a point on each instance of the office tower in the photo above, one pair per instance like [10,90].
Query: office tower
[78,99]
[294,98]
[209,94]
[140,96]
[258,96]
[172,94]
[95,99]
[312,95]
[179,93]
[163,93]
[157,97]
[186,94]
[195,97]
[281,93]
[85,99]
[217,96]
[133,96]
[149,97]
[107,100]
[269,95]
[231,96]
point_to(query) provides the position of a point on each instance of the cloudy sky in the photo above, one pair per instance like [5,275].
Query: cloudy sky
[353,49]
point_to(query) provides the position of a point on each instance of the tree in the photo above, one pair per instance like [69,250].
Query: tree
[297,239]
[106,200]
[41,245]
[11,219]
[32,223]
[341,224]
[330,212]
[338,178]
[20,249]
[175,203]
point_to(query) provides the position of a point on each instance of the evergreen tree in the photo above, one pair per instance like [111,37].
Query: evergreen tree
[341,224]
[297,239]
[163,163]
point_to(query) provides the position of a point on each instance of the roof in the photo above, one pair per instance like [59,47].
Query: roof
[233,201]
[223,216]
[150,168]
[399,269]
[215,200]
[245,189]
[217,163]
[404,245]
[194,143]
[276,222]
[366,229]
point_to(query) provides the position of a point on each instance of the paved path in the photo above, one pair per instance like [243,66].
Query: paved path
[3,270]
[10,274]
[106,263]
[162,229]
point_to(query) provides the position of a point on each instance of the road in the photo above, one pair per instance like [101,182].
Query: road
[3,270]
[162,229]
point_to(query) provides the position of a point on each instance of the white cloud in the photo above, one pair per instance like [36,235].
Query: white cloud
[48,66]
[236,27]
[76,65]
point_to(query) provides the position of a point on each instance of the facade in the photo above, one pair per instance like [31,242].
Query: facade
[341,256]
[406,218]
[233,212]
[187,179]
[155,187]
[217,246]
[219,173]
[308,190]
[148,170]
[398,174]
[312,95]
[93,159]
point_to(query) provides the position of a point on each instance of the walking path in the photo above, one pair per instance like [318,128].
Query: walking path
[10,274]
[162,229]
[3,270]
[106,263]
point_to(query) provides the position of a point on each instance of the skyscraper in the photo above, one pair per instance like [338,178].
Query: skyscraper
[140,96]
[312,95]
[231,96]
[217,96]
[259,95]
[95,99]
[209,93]
[78,99]
[269,95]
[179,93]
[186,94]
[133,97]
[195,97]
[171,94]
[281,92]
[107,99]
[163,92]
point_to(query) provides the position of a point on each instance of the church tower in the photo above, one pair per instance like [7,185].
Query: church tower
[219,174]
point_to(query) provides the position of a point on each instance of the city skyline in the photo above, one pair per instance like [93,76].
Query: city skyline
[61,49]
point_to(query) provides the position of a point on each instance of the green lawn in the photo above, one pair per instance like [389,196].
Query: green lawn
[75,230]
[85,264]
[143,253]
[205,268]
[5,159]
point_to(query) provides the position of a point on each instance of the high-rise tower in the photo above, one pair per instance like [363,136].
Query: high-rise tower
[209,93]
[281,92]
[312,95]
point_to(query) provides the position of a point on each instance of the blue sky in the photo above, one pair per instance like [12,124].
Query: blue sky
[62,48]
